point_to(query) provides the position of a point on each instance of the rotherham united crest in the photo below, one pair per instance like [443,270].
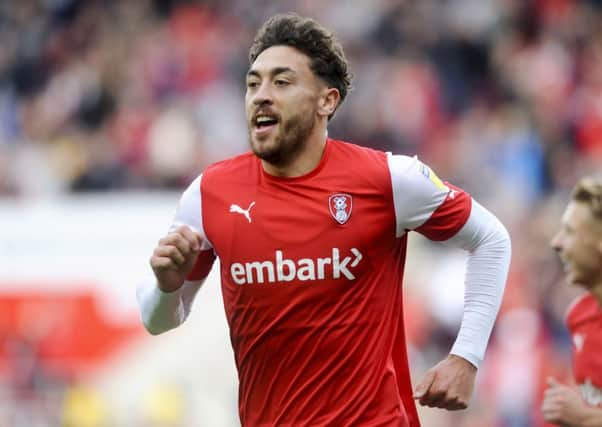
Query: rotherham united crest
[340,207]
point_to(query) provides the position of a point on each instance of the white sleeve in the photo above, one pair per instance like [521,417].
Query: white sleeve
[161,311]
[488,244]
[417,192]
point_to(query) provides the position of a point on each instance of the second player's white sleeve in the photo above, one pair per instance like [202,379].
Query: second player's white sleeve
[488,244]
[161,311]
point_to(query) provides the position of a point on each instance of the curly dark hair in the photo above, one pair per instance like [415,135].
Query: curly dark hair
[327,59]
[589,191]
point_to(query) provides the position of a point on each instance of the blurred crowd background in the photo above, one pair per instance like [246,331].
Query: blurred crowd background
[500,97]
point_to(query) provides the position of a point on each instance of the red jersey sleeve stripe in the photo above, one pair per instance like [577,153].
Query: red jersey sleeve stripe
[449,217]
[202,266]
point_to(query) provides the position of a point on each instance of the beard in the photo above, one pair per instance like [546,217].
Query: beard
[291,138]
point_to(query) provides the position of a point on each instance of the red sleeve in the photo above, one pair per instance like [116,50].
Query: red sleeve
[449,217]
[202,266]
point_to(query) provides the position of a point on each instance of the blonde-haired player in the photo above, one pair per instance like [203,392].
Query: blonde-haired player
[579,244]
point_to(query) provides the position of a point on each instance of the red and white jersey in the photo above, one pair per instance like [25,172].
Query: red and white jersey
[311,271]
[584,321]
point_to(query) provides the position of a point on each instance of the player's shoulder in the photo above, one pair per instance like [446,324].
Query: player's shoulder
[353,154]
[583,309]
[402,163]
[351,148]
[362,166]
[411,171]
[404,170]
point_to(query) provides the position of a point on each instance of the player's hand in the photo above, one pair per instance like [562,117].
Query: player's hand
[174,257]
[448,385]
[562,405]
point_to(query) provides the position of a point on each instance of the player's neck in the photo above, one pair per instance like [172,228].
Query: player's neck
[305,161]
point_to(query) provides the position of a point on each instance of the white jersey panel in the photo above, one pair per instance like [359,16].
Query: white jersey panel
[417,192]
[189,212]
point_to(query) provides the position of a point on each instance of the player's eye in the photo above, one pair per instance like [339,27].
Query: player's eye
[252,84]
[281,82]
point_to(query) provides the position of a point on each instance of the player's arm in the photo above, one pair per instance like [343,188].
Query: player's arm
[488,244]
[180,262]
[445,213]
[450,383]
[562,405]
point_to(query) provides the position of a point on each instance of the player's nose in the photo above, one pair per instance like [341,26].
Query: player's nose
[263,95]
[556,242]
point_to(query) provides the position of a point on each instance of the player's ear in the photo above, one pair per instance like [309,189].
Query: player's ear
[328,101]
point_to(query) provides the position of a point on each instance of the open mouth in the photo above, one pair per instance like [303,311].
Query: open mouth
[264,124]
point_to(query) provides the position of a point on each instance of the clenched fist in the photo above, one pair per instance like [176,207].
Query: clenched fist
[447,385]
[174,257]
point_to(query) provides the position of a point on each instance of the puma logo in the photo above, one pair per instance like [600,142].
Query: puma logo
[246,212]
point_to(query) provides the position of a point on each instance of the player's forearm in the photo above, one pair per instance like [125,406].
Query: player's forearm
[161,311]
[489,248]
